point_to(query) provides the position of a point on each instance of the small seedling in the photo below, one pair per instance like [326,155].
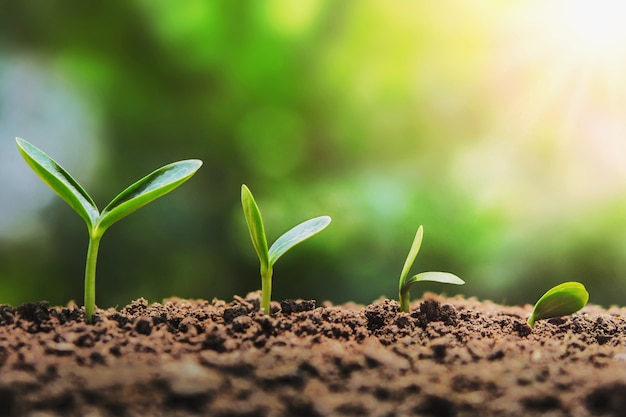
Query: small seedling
[562,300]
[287,241]
[405,285]
[147,189]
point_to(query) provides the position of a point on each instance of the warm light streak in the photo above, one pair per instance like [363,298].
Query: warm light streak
[558,79]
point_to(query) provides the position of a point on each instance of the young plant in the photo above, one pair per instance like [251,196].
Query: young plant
[147,189]
[405,284]
[268,257]
[562,300]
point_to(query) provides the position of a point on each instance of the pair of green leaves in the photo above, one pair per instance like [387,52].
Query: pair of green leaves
[269,256]
[562,300]
[147,189]
[405,284]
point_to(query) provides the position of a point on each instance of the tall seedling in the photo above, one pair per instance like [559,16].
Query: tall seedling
[268,257]
[147,189]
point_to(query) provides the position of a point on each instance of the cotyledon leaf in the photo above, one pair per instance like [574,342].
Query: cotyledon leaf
[60,181]
[255,225]
[415,248]
[149,188]
[561,300]
[297,234]
[443,277]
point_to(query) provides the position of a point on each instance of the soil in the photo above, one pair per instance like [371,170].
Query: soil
[448,357]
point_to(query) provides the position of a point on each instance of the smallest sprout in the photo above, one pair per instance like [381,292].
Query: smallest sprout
[562,300]
[405,284]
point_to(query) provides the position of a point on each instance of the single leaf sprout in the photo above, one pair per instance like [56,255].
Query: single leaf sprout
[147,189]
[405,284]
[562,300]
[268,257]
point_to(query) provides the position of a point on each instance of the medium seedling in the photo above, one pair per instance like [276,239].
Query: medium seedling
[405,284]
[268,257]
[147,189]
[562,300]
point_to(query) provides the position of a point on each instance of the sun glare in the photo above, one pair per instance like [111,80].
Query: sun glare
[593,28]
[558,76]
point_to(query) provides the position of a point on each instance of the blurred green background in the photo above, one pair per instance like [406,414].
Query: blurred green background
[499,126]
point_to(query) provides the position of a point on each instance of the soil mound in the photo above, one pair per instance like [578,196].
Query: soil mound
[448,357]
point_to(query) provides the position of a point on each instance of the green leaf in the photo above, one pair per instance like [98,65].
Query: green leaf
[562,300]
[255,226]
[415,248]
[298,234]
[443,277]
[60,181]
[147,189]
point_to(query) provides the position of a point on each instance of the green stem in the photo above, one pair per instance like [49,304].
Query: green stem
[266,288]
[405,301]
[90,276]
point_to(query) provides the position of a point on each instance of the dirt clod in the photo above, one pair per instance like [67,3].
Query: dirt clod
[296,306]
[34,312]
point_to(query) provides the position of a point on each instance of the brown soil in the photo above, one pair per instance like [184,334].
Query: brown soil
[449,357]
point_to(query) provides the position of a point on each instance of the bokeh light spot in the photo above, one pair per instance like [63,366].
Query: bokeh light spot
[271,141]
[40,107]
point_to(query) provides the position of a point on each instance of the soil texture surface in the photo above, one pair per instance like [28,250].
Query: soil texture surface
[448,357]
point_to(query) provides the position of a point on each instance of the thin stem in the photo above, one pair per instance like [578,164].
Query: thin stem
[405,301]
[90,276]
[266,288]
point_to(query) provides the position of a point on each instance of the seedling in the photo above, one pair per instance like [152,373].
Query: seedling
[562,300]
[405,285]
[291,238]
[147,189]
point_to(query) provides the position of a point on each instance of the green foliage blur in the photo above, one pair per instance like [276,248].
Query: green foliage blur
[382,115]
